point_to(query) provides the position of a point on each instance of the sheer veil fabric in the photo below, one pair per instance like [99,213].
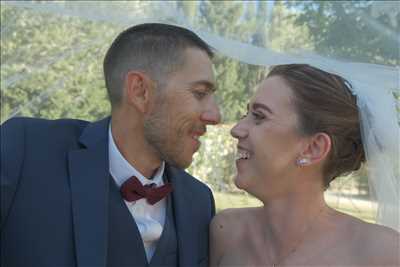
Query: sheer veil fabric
[375,82]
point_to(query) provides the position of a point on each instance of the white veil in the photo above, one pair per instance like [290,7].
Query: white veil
[376,85]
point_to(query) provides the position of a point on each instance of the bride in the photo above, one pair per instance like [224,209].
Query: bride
[302,130]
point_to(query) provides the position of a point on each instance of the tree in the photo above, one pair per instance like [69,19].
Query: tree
[51,65]
[235,79]
[351,29]
[285,35]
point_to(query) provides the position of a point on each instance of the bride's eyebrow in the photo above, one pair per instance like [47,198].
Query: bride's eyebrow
[257,105]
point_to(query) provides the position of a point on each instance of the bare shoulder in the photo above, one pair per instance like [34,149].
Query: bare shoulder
[379,243]
[229,214]
[229,223]
[227,229]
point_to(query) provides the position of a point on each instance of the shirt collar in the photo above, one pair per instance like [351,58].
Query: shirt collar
[121,170]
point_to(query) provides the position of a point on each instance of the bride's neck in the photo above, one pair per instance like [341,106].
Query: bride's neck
[288,218]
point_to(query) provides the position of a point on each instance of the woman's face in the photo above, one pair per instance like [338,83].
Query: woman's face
[268,141]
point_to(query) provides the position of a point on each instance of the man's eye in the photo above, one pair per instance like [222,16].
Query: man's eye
[199,94]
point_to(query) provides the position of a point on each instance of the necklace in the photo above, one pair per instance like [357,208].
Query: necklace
[299,242]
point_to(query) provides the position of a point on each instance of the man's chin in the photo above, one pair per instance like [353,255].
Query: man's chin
[181,163]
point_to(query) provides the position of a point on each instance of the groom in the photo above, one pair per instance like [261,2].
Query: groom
[113,192]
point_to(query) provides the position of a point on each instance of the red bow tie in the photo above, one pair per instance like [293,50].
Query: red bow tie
[132,190]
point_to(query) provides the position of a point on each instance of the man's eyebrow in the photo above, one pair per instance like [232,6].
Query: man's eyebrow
[209,85]
[257,105]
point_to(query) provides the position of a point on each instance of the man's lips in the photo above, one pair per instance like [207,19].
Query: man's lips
[196,134]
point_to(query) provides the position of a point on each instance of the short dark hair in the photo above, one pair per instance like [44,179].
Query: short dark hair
[324,103]
[157,49]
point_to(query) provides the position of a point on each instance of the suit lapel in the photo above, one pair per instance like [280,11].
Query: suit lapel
[184,219]
[89,177]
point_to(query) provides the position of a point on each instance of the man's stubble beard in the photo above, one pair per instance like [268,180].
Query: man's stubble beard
[158,134]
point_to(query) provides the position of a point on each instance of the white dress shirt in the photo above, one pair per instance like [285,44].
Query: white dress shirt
[149,219]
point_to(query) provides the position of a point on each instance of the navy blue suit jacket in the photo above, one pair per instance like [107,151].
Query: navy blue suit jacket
[54,196]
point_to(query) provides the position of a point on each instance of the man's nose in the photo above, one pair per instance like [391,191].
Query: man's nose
[211,115]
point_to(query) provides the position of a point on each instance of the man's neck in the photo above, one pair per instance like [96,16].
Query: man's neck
[131,143]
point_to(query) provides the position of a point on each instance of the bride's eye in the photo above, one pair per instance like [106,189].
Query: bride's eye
[257,116]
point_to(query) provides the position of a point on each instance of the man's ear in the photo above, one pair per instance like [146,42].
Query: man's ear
[138,90]
[317,149]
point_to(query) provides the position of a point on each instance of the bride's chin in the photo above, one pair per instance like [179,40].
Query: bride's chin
[239,182]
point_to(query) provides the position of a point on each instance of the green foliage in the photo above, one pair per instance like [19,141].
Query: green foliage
[248,23]
[224,200]
[333,25]
[53,66]
[284,34]
[189,8]
[214,162]
[236,80]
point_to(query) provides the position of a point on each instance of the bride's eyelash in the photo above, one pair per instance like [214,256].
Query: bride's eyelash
[258,117]
[255,115]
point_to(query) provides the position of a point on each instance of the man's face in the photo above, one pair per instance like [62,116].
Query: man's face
[184,107]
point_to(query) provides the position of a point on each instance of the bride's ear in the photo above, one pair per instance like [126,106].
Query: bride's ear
[318,148]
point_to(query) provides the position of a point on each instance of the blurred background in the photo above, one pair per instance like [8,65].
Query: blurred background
[52,53]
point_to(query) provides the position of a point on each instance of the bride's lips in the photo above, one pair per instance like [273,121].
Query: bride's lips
[242,153]
[242,156]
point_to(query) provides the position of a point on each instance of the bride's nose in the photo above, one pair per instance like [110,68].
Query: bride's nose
[239,131]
